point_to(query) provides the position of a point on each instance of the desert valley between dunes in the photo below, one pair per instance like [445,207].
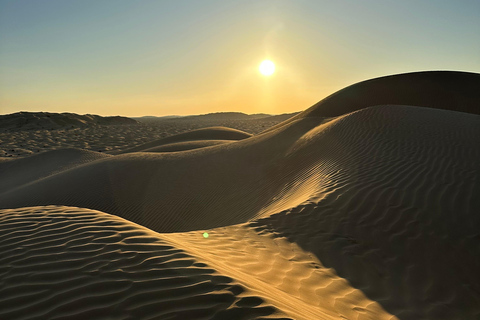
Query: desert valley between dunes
[364,206]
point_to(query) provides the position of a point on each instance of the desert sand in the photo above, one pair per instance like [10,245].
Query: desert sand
[25,133]
[364,206]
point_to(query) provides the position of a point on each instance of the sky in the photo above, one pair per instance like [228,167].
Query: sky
[179,57]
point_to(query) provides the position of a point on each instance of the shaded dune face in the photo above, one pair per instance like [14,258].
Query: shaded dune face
[72,263]
[36,167]
[448,90]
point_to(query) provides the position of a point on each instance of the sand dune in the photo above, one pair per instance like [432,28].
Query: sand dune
[209,134]
[225,116]
[371,214]
[449,90]
[42,120]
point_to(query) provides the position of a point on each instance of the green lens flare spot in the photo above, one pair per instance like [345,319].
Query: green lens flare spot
[205,235]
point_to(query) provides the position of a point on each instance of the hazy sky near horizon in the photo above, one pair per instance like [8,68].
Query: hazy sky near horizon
[145,57]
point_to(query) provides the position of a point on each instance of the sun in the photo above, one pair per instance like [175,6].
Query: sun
[267,67]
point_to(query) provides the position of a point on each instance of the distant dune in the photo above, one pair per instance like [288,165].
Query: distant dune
[280,117]
[154,118]
[47,120]
[217,116]
[226,116]
[364,206]
[115,138]
[205,134]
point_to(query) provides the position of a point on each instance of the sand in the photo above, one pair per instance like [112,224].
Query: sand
[193,139]
[448,90]
[111,139]
[371,214]
[72,263]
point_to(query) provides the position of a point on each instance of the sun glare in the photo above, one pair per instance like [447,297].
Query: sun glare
[267,67]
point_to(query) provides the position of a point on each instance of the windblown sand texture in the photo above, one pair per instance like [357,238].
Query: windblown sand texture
[369,214]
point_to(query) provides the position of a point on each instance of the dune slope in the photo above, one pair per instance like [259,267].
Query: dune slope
[36,167]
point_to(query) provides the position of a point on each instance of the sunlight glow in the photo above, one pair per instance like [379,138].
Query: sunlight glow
[267,68]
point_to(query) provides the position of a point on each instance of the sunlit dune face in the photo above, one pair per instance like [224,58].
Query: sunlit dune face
[267,68]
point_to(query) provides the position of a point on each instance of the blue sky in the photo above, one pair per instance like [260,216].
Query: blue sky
[137,58]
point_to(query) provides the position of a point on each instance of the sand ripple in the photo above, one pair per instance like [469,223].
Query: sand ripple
[71,263]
